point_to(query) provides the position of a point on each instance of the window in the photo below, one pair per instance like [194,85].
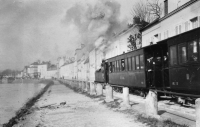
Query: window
[122,64]
[117,66]
[113,64]
[192,51]
[126,64]
[179,29]
[137,62]
[129,64]
[110,67]
[173,55]
[182,53]
[133,63]
[141,61]
[194,22]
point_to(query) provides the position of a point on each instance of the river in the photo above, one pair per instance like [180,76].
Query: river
[14,96]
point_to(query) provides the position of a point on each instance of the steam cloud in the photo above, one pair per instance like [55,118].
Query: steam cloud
[33,29]
[93,22]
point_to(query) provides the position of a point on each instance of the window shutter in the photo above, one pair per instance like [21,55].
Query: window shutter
[186,26]
[164,35]
[152,39]
[189,27]
[198,21]
[167,34]
[182,27]
[179,29]
[159,36]
[176,30]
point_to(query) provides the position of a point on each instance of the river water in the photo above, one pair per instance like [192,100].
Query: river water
[14,96]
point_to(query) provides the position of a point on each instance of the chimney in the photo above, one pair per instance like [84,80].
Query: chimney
[165,7]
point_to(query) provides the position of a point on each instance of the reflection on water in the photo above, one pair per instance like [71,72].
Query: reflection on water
[14,96]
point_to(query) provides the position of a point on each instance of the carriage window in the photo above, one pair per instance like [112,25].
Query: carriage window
[117,64]
[133,63]
[129,63]
[182,53]
[126,64]
[141,61]
[137,62]
[192,51]
[110,67]
[122,64]
[113,66]
[173,55]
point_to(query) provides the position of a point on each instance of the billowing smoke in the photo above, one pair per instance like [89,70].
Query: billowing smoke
[96,21]
[43,30]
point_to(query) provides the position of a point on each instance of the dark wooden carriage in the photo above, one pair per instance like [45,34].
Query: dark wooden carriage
[171,66]
[127,69]
[184,64]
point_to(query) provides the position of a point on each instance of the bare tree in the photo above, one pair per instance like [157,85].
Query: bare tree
[140,10]
[147,10]
[155,8]
[133,41]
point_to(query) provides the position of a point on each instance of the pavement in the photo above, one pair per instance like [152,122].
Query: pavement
[62,107]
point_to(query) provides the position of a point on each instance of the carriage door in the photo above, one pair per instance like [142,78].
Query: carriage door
[154,67]
[157,64]
[165,67]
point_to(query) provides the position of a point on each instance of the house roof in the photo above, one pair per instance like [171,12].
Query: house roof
[86,60]
[169,14]
[35,63]
[67,63]
[127,30]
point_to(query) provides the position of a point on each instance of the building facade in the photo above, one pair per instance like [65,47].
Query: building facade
[184,18]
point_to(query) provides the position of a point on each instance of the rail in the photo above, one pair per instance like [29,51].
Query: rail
[181,94]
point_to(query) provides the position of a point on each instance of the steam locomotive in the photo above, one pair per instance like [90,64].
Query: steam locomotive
[172,67]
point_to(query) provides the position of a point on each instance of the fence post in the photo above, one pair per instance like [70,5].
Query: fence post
[88,87]
[99,89]
[197,107]
[109,93]
[151,104]
[126,100]
[92,89]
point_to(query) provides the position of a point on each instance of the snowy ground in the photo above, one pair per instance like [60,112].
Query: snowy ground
[79,111]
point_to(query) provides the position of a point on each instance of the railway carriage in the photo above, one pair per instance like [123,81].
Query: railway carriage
[171,66]
[184,64]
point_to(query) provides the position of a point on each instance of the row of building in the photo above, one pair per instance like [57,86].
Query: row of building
[87,59]
[43,70]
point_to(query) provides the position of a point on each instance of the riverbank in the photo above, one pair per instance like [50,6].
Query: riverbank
[25,109]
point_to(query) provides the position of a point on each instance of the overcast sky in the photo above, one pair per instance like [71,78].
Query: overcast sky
[43,30]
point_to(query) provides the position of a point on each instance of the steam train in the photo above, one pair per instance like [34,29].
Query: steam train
[172,67]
